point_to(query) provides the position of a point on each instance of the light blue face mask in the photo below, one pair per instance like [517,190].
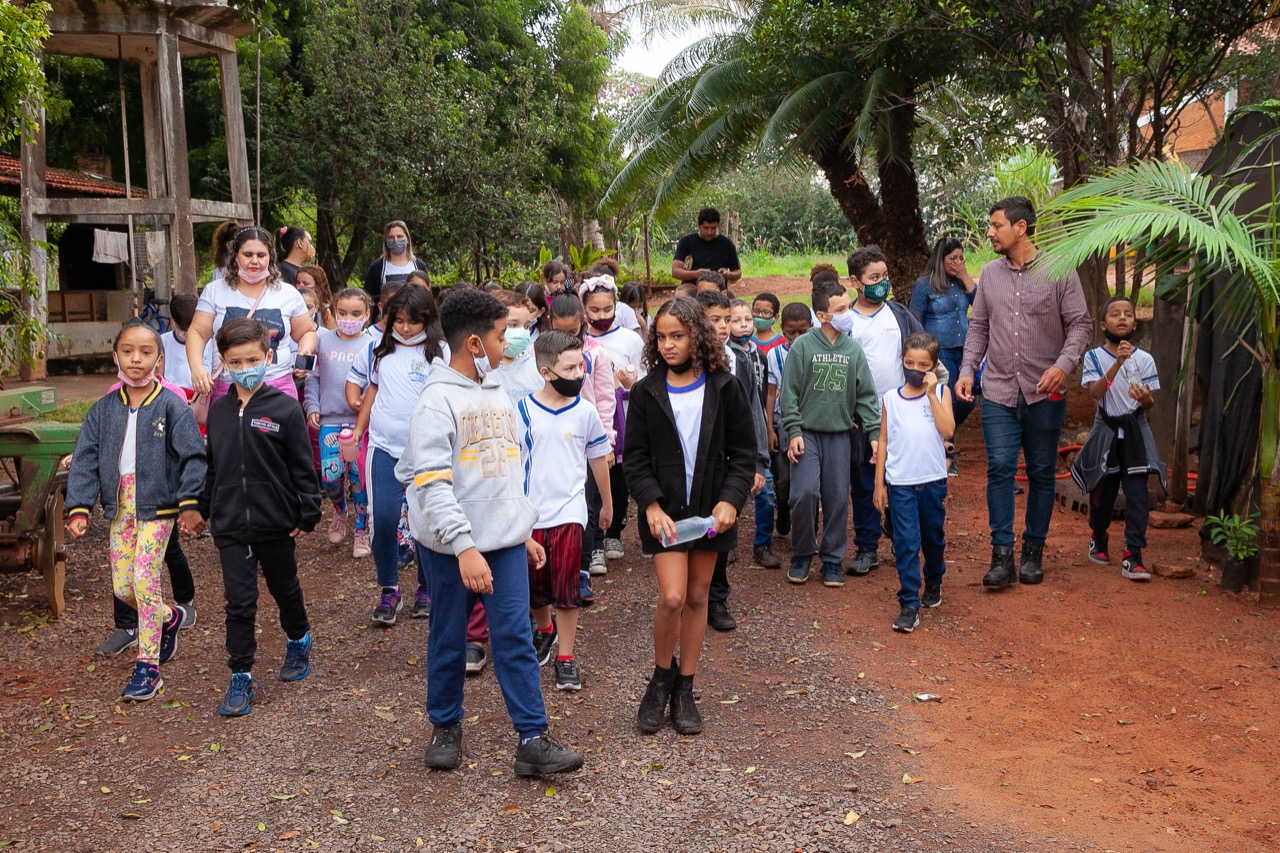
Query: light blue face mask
[518,340]
[249,378]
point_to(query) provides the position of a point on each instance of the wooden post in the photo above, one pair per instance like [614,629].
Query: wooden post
[34,234]
[1179,464]
[157,184]
[233,119]
[182,249]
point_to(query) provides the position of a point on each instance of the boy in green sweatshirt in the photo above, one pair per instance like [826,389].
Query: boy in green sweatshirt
[827,391]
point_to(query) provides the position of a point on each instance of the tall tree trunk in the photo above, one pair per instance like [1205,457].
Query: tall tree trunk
[337,265]
[894,224]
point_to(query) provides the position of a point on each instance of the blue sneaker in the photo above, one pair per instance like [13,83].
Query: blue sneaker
[240,695]
[143,684]
[799,571]
[169,636]
[832,574]
[585,592]
[297,660]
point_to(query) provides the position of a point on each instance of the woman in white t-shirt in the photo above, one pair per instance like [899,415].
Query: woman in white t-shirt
[396,263]
[252,278]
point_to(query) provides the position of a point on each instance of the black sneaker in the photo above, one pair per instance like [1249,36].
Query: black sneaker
[421,604]
[477,657]
[542,643]
[719,617]
[143,684]
[1131,566]
[445,750]
[1098,551]
[120,639]
[831,575]
[799,571]
[297,659]
[932,595]
[169,636]
[862,564]
[567,676]
[541,755]
[406,558]
[907,620]
[389,605]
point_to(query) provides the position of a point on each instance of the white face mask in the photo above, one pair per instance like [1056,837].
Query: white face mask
[843,323]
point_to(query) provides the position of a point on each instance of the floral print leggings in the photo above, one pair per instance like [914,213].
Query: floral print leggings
[137,551]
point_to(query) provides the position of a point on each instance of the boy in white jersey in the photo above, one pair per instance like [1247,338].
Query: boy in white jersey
[911,475]
[560,436]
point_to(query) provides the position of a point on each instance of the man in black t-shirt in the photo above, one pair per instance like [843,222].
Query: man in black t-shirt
[706,249]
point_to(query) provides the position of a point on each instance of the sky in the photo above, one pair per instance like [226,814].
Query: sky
[651,59]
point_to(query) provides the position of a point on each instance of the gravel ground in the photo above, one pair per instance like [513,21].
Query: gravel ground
[787,761]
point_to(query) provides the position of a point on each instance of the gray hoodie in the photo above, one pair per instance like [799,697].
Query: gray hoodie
[461,467]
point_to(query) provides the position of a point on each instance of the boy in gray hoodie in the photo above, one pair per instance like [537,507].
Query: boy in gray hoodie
[468,511]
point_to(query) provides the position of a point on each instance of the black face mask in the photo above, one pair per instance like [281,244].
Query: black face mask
[567,387]
[682,367]
[915,378]
[1114,338]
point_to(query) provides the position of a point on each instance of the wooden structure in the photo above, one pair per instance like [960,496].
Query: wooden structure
[156,35]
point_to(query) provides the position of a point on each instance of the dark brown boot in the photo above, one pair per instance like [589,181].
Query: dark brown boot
[685,717]
[657,695]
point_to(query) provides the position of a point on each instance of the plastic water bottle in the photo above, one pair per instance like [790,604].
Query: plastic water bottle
[347,445]
[689,529]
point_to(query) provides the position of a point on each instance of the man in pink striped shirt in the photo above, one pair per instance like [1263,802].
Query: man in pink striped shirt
[1033,331]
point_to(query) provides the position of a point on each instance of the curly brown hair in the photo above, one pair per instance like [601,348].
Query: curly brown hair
[705,351]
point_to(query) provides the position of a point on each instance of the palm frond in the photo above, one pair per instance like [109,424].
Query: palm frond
[796,112]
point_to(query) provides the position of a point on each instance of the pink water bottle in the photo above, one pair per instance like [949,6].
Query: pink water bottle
[347,445]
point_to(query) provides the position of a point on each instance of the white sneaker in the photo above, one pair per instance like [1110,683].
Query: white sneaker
[613,549]
[598,565]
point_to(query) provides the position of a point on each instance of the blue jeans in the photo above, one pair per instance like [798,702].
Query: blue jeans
[952,357]
[862,489]
[386,499]
[918,521]
[766,501]
[1035,429]
[510,639]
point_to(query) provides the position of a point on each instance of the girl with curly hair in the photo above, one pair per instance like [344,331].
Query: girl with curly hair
[689,451]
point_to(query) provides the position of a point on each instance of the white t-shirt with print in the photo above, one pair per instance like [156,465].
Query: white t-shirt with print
[1139,367]
[399,378]
[914,451]
[555,445]
[881,340]
[277,309]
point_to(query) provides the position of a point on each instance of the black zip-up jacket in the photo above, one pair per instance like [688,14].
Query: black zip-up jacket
[262,481]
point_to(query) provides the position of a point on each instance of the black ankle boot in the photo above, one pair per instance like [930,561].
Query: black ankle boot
[1030,569]
[685,717]
[1001,573]
[653,707]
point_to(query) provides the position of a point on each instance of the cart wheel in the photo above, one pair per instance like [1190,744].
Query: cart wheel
[52,554]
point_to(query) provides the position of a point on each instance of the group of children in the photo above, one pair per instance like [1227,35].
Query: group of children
[497,438]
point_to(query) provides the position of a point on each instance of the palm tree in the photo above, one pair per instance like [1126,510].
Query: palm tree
[1163,208]
[745,94]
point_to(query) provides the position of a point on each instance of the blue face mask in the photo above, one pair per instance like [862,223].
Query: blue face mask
[249,378]
[518,340]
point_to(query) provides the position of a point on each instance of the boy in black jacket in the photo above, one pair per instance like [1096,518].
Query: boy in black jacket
[260,495]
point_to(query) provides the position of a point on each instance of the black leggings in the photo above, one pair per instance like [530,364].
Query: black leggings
[618,486]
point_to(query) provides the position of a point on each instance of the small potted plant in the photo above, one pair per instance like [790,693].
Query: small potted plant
[1239,536]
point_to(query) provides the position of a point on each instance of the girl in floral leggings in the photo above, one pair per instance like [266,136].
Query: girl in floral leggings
[140,451]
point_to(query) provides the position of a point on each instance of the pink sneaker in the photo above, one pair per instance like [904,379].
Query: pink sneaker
[361,548]
[338,529]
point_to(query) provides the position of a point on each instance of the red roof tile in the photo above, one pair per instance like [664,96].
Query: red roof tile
[63,182]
